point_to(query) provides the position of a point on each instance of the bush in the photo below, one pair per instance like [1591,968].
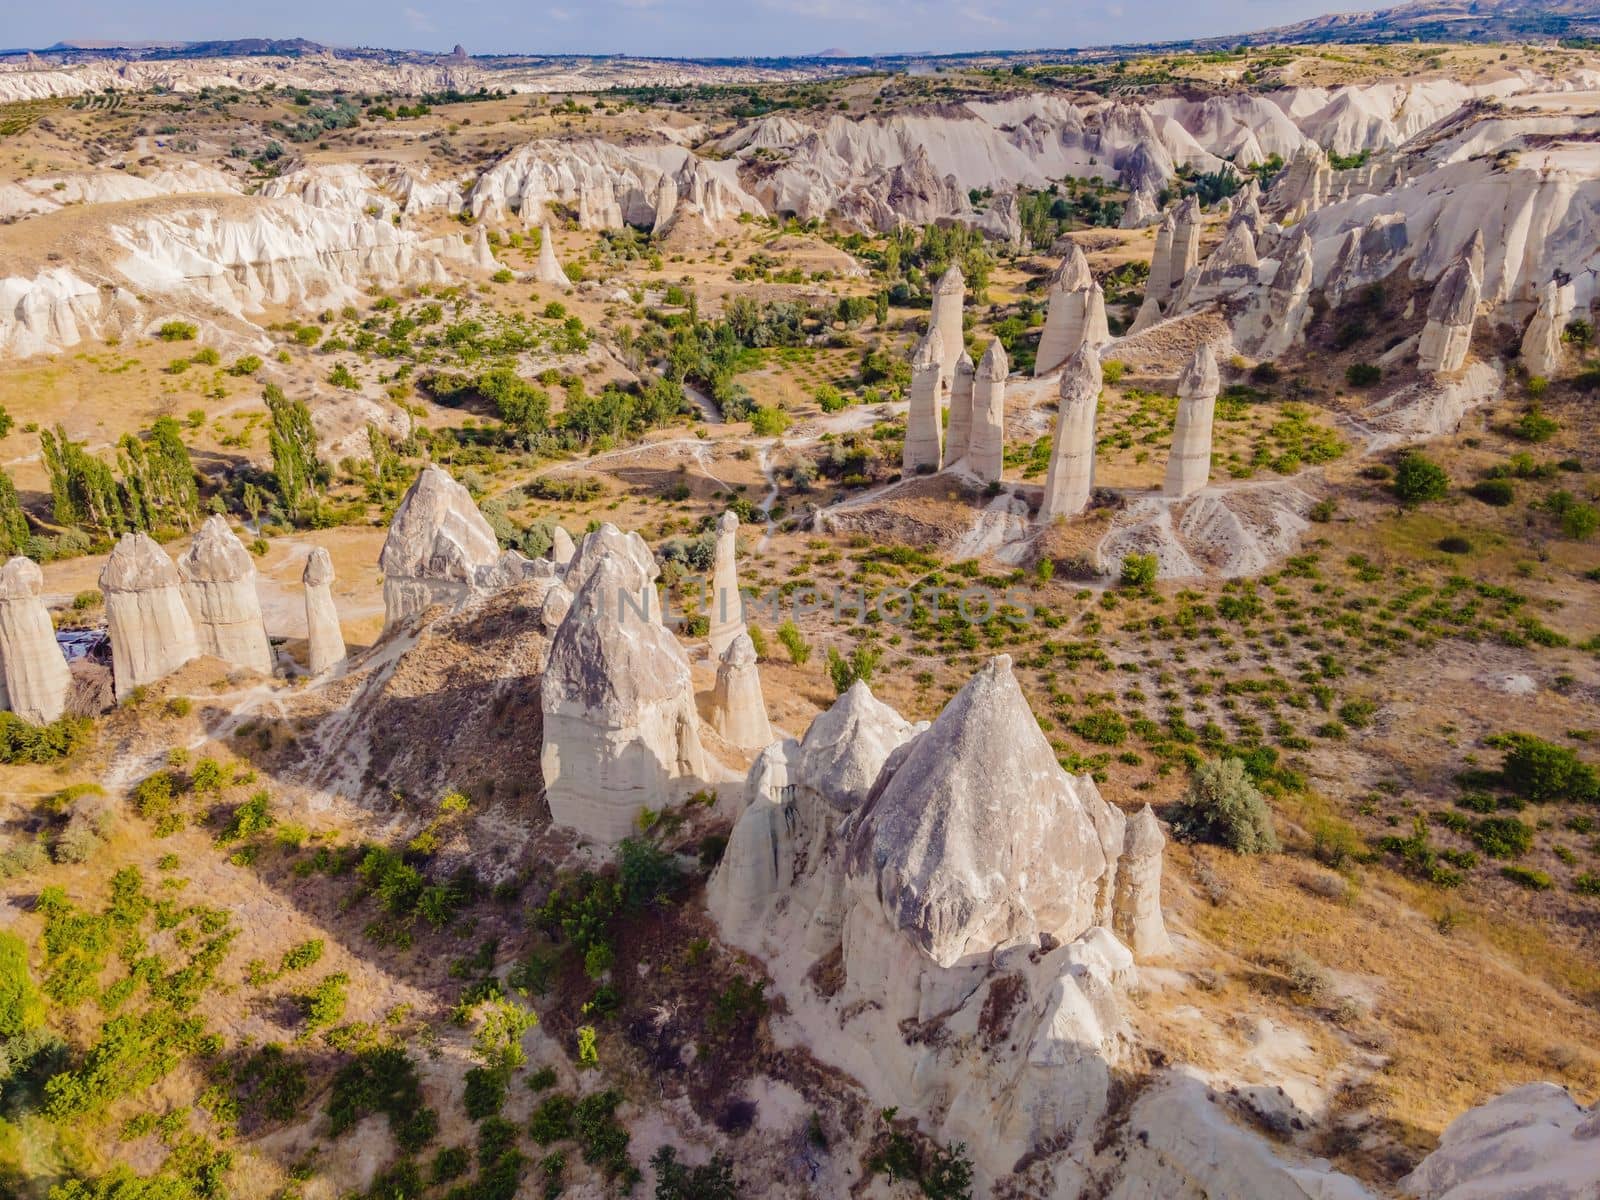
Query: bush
[845,671]
[1139,570]
[1418,480]
[1223,806]
[794,642]
[382,1080]
[21,1006]
[24,743]
[1455,544]
[770,421]
[674,1181]
[1579,521]
[1534,426]
[1527,877]
[830,399]
[1502,837]
[177,331]
[1497,492]
[1362,375]
[1540,771]
[552,1120]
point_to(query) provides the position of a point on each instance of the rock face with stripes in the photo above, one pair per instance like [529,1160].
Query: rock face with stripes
[621,733]
[219,579]
[152,633]
[325,647]
[987,446]
[1189,465]
[32,666]
[923,448]
[1070,481]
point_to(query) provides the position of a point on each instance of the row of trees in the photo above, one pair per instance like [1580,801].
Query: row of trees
[153,486]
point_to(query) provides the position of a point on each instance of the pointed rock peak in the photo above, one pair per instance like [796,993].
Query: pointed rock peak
[1144,838]
[216,555]
[1169,222]
[319,568]
[995,366]
[1073,274]
[436,507]
[1238,247]
[606,543]
[964,363]
[1200,376]
[1189,210]
[1081,376]
[1473,253]
[728,522]
[951,281]
[845,747]
[741,652]
[137,564]
[1455,296]
[977,835]
[929,352]
[20,579]
[609,657]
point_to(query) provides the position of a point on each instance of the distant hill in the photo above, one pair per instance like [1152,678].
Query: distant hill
[1446,21]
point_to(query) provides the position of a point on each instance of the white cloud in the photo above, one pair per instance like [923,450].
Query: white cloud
[419,21]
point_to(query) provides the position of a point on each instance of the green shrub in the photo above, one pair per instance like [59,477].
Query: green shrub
[1579,521]
[1418,480]
[1498,492]
[1540,771]
[1527,877]
[675,1181]
[845,672]
[1587,884]
[552,1119]
[769,421]
[1222,805]
[21,742]
[1534,426]
[383,1080]
[1502,837]
[1139,570]
[485,1092]
[177,331]
[21,1006]
[794,642]
[1455,544]
[1362,375]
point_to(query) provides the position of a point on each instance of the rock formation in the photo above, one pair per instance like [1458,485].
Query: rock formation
[609,542]
[1136,910]
[561,547]
[1541,344]
[1451,312]
[1534,1141]
[34,674]
[1140,210]
[972,836]
[1070,480]
[557,603]
[1189,464]
[439,545]
[1066,316]
[738,711]
[620,729]
[726,602]
[152,633]
[948,295]
[219,580]
[1276,317]
[1159,283]
[324,638]
[987,444]
[1185,241]
[958,436]
[1230,268]
[923,450]
[548,271]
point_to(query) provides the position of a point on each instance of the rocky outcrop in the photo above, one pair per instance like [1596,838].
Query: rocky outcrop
[958,436]
[986,447]
[1276,317]
[738,711]
[1541,343]
[1185,241]
[1447,336]
[1070,480]
[557,603]
[325,647]
[974,836]
[1232,267]
[548,271]
[1534,1141]
[1159,283]
[948,295]
[152,633]
[923,449]
[219,580]
[561,547]
[844,749]
[620,729]
[32,667]
[1136,909]
[1189,464]
[438,549]
[1066,314]
[726,611]
[1140,210]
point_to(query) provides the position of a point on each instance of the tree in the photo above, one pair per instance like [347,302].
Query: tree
[13,521]
[1223,806]
[675,1181]
[296,469]
[82,489]
[1418,480]
[158,477]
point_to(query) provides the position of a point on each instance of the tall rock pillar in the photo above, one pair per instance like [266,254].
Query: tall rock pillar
[923,433]
[220,582]
[959,436]
[1189,465]
[35,670]
[1070,481]
[727,605]
[986,449]
[1067,298]
[152,633]
[324,638]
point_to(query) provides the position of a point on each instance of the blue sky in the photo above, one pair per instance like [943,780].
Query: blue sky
[668,27]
